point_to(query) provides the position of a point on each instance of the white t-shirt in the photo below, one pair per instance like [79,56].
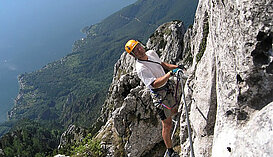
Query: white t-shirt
[148,72]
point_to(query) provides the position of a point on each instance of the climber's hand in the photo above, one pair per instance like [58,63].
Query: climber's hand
[174,71]
[181,66]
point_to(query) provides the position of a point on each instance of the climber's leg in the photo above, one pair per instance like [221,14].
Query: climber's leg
[166,131]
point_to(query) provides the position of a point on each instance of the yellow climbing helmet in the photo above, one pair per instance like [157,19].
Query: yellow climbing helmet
[130,45]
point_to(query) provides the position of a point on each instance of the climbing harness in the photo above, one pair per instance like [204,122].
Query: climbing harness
[161,94]
[181,75]
[166,88]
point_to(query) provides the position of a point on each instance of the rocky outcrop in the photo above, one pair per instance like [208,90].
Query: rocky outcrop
[230,89]
[1,152]
[167,40]
[72,135]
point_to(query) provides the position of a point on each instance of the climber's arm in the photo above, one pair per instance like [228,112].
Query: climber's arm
[168,66]
[161,80]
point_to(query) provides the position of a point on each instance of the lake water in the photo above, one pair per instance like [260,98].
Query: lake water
[36,32]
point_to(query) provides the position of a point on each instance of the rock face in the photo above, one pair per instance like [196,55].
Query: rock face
[229,93]
[71,136]
[132,127]
[230,89]
[167,40]
[1,152]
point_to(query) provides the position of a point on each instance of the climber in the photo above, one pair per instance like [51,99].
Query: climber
[150,70]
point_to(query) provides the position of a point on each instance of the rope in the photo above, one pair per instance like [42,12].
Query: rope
[180,74]
[201,113]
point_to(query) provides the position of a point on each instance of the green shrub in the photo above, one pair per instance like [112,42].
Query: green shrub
[88,147]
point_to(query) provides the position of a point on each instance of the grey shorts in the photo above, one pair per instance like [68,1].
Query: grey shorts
[166,100]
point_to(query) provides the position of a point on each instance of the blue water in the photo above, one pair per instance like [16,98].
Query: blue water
[36,32]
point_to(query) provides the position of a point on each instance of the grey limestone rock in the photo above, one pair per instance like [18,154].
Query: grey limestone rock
[230,87]
[72,135]
[2,152]
[167,41]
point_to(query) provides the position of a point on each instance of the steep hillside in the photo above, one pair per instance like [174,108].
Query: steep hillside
[79,81]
